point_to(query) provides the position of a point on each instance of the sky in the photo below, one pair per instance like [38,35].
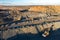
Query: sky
[29,2]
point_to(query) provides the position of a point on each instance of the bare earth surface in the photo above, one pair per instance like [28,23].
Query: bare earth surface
[29,29]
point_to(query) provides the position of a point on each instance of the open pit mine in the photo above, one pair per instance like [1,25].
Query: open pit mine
[26,20]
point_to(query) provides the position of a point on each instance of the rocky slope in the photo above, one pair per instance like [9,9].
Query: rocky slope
[32,29]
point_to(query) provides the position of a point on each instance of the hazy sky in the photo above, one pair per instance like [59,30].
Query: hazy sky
[29,2]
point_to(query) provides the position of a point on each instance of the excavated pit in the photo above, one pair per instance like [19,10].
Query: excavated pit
[30,23]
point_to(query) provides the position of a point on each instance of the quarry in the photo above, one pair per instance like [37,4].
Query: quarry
[32,22]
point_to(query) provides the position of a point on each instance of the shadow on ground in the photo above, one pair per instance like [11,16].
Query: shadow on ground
[54,35]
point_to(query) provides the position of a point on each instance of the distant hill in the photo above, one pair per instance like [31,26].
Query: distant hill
[34,8]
